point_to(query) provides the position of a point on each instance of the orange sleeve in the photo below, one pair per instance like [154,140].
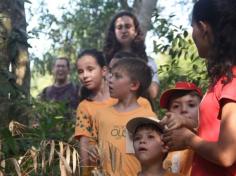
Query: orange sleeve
[84,122]
[144,103]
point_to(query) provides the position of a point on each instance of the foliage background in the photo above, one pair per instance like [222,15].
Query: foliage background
[81,26]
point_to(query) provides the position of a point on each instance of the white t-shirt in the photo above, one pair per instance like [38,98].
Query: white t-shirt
[151,63]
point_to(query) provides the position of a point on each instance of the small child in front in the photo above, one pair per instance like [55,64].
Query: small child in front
[145,133]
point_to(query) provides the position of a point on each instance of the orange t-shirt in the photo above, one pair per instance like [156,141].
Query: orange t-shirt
[168,174]
[87,109]
[172,174]
[179,162]
[144,103]
[110,133]
[85,114]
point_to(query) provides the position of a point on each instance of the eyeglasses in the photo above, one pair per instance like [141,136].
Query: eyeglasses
[126,26]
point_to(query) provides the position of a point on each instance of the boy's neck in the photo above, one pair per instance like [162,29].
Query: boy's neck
[155,169]
[128,104]
[101,93]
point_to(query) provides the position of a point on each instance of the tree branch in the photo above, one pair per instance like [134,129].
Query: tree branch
[124,4]
[143,10]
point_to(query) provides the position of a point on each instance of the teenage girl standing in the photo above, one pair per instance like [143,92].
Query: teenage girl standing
[124,34]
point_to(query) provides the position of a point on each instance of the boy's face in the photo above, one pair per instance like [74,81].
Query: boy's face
[147,145]
[111,64]
[186,105]
[119,83]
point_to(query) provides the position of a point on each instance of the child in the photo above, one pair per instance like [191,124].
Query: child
[214,33]
[128,80]
[145,133]
[182,103]
[92,70]
[124,34]
[124,55]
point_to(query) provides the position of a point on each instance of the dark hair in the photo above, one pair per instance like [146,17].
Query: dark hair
[112,45]
[97,55]
[63,58]
[221,16]
[137,70]
[100,59]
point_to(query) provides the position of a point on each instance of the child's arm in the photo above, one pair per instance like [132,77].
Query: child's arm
[173,121]
[84,132]
[88,152]
[221,152]
[84,153]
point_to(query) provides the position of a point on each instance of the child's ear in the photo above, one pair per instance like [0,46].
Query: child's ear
[135,85]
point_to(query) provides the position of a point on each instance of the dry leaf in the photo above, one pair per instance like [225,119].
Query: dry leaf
[64,163]
[62,168]
[74,158]
[120,166]
[79,164]
[43,148]
[68,154]
[16,128]
[16,165]
[113,152]
[3,164]
[52,149]
[34,157]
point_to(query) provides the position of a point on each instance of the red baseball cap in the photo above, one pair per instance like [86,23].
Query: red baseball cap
[165,96]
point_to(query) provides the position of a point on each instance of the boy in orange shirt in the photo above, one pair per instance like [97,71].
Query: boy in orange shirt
[129,79]
[182,102]
[124,55]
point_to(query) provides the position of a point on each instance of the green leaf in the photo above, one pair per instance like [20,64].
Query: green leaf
[185,34]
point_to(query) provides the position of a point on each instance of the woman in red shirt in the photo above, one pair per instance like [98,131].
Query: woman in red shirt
[214,33]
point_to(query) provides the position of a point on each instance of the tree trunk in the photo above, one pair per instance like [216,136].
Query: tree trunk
[5,30]
[21,68]
[143,10]
[14,54]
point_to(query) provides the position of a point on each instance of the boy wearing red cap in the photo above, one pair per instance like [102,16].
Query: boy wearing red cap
[182,103]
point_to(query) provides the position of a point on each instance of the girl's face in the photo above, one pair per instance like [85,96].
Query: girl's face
[119,83]
[202,37]
[90,73]
[147,145]
[125,31]
[186,105]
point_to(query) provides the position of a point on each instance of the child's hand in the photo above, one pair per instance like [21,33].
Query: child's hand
[177,139]
[165,147]
[172,121]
